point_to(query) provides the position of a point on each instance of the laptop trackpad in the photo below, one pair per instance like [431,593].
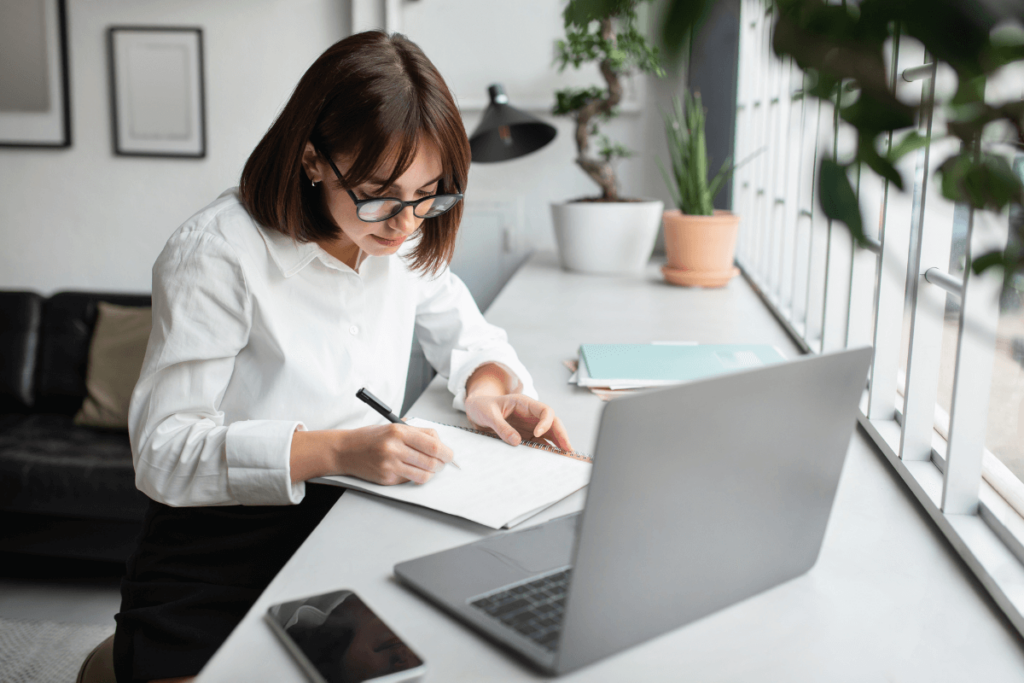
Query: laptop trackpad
[535,550]
[469,570]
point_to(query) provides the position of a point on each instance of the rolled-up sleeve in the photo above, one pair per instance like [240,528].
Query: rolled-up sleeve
[184,452]
[457,340]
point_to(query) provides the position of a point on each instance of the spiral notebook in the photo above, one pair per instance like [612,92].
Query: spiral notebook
[499,486]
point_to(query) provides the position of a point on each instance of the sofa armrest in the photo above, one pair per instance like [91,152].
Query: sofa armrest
[20,318]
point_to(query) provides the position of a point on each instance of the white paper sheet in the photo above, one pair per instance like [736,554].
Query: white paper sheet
[498,486]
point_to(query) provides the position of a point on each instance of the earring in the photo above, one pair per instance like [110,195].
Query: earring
[313,183]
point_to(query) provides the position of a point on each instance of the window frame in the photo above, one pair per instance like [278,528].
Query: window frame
[829,294]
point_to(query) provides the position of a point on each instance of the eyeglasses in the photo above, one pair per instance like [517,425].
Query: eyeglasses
[377,209]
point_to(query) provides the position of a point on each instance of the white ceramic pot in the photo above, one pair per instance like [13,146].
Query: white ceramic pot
[606,238]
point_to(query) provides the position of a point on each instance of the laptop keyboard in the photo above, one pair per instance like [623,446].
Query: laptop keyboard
[534,608]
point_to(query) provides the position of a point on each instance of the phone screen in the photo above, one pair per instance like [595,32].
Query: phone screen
[342,639]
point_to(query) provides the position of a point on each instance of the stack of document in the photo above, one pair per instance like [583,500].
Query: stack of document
[638,366]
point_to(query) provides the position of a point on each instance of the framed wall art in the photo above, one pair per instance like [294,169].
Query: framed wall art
[157,97]
[35,106]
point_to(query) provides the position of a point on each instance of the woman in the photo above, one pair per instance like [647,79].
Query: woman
[271,308]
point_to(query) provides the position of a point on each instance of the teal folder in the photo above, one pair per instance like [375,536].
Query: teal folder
[658,363]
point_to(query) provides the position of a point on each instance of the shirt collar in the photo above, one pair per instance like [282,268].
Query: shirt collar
[291,256]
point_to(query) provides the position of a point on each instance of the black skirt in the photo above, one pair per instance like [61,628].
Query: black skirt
[195,574]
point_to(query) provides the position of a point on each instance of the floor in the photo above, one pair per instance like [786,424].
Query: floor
[58,590]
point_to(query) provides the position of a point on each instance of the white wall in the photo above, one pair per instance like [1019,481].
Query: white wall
[82,218]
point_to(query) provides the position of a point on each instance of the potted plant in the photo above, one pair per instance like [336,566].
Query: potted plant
[700,242]
[607,234]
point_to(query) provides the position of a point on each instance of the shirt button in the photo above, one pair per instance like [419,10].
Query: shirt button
[354,329]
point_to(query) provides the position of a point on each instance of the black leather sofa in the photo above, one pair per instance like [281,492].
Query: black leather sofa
[65,491]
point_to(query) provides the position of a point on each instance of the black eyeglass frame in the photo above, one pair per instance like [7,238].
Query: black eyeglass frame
[401,202]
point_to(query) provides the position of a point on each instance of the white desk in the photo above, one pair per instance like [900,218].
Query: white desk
[887,600]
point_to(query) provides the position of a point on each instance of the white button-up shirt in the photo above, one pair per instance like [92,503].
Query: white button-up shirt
[255,336]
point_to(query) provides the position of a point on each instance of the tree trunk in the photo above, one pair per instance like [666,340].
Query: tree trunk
[600,171]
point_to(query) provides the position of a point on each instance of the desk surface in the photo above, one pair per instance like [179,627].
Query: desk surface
[887,600]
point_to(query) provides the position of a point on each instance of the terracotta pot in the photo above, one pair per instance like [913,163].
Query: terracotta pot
[700,249]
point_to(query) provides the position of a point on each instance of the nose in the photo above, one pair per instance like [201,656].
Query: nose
[405,222]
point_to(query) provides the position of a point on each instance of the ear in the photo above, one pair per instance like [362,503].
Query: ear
[311,163]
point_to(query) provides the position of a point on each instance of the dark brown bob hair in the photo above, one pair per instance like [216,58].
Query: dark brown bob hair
[373,97]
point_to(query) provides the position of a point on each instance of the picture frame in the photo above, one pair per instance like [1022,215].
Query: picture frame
[35,100]
[157,91]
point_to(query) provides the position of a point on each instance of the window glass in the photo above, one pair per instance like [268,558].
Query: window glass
[1005,435]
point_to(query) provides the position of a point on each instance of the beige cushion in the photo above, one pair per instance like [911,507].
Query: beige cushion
[115,361]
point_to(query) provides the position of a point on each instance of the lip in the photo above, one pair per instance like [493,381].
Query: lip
[388,243]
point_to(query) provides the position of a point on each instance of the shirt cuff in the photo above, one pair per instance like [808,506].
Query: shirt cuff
[465,363]
[259,462]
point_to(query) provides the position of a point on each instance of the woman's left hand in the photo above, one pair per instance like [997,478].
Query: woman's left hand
[515,417]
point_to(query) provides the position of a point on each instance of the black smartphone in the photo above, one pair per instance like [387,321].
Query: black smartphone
[336,638]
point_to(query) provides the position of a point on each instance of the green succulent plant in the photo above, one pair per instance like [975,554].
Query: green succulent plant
[688,182]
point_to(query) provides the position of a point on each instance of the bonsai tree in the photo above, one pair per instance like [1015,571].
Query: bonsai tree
[688,183]
[605,33]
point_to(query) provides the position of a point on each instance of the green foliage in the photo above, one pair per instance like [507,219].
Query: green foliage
[877,115]
[609,150]
[911,142]
[627,50]
[687,147]
[635,52]
[993,259]
[984,181]
[838,200]
[883,166]
[571,100]
[604,32]
[580,47]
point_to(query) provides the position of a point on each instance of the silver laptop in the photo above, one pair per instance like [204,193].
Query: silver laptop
[702,495]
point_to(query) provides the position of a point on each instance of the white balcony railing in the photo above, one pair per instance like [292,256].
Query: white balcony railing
[937,332]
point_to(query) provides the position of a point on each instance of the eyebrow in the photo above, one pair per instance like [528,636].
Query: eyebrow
[381,182]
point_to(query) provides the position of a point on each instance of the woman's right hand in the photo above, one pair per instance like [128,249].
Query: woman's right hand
[391,454]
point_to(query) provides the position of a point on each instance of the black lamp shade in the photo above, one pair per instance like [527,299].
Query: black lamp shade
[505,132]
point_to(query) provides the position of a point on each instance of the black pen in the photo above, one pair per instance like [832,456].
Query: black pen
[369,399]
